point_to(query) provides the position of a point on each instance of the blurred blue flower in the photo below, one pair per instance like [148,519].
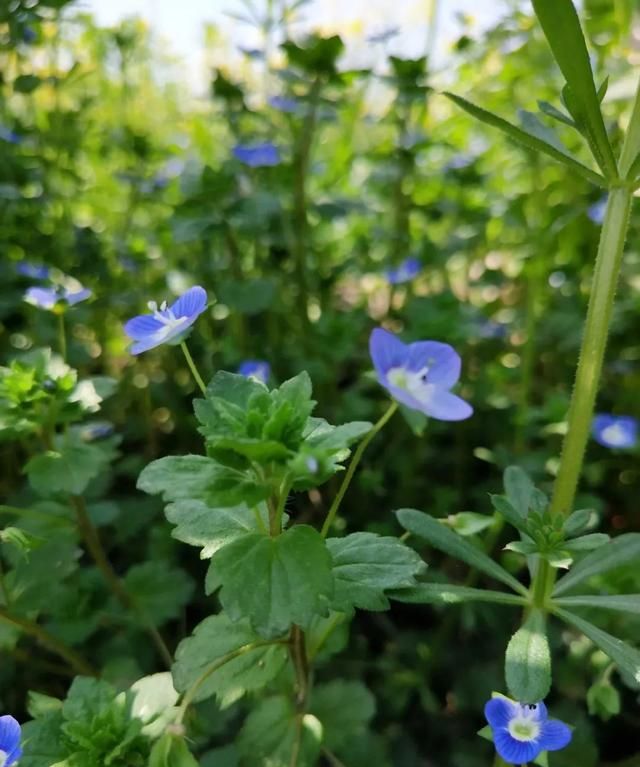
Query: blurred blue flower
[6,134]
[49,298]
[407,270]
[28,34]
[615,430]
[166,324]
[10,750]
[384,35]
[257,155]
[257,369]
[96,430]
[597,210]
[419,375]
[35,271]
[284,104]
[523,731]
[251,53]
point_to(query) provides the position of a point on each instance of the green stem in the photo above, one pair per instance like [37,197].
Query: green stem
[77,662]
[191,693]
[605,279]
[354,465]
[62,337]
[192,367]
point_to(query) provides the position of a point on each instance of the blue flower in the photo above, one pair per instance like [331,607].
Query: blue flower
[35,271]
[419,375]
[284,104]
[166,324]
[10,750]
[257,155]
[597,210]
[407,270]
[50,298]
[522,731]
[6,134]
[257,369]
[615,430]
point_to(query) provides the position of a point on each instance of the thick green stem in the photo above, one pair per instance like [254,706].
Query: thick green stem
[353,466]
[62,337]
[596,330]
[193,368]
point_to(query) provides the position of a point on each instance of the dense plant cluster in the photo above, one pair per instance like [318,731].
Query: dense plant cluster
[266,359]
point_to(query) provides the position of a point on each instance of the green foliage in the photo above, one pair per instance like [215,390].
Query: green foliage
[344,709]
[199,660]
[616,553]
[528,661]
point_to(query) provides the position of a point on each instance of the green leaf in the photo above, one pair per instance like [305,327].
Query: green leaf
[551,111]
[528,140]
[171,751]
[212,640]
[469,523]
[503,506]
[271,732]
[276,582]
[345,709]
[522,547]
[449,594]
[26,83]
[618,552]
[519,489]
[561,27]
[587,542]
[528,661]
[198,477]
[365,565]
[339,437]
[159,590]
[577,521]
[627,658]
[68,469]
[626,603]
[199,525]
[444,539]
[603,700]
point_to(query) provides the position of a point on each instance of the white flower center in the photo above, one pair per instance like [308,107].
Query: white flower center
[414,382]
[165,316]
[3,758]
[615,435]
[524,728]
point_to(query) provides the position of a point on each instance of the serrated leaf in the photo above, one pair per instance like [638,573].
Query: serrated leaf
[626,603]
[344,709]
[339,437]
[449,594]
[528,140]
[444,539]
[200,525]
[159,590]
[627,658]
[365,565]
[528,661]
[561,27]
[212,640]
[276,582]
[272,730]
[68,469]
[618,552]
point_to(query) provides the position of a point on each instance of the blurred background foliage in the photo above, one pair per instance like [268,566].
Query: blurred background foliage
[113,172]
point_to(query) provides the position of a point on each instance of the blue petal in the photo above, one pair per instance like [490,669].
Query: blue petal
[44,298]
[387,351]
[626,430]
[73,298]
[146,344]
[447,407]
[555,735]
[190,304]
[499,711]
[141,327]
[515,751]
[442,360]
[256,368]
[9,736]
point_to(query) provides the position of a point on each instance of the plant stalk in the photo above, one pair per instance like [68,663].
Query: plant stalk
[192,367]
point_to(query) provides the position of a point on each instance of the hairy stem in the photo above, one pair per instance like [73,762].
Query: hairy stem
[357,456]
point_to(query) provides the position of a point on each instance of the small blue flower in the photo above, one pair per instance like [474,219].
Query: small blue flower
[34,271]
[284,104]
[257,155]
[257,369]
[11,137]
[97,430]
[10,750]
[615,430]
[50,298]
[28,35]
[522,731]
[597,210]
[166,324]
[407,270]
[419,375]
